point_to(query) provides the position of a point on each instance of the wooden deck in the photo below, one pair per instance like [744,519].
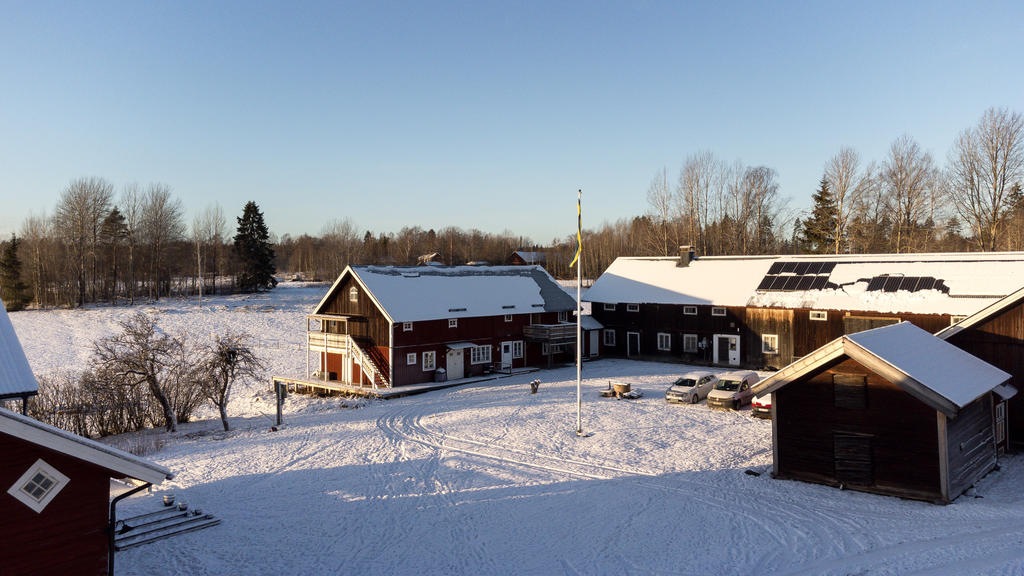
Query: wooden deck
[301,385]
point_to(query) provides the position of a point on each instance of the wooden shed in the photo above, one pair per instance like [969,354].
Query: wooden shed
[16,378]
[893,410]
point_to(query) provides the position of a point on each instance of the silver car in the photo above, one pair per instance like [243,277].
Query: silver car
[733,390]
[691,387]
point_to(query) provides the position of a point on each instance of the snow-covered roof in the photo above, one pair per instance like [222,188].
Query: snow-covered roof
[926,367]
[947,283]
[982,315]
[16,378]
[411,294]
[532,257]
[65,442]
[588,322]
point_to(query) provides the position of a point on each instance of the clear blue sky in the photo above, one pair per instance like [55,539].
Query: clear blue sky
[476,114]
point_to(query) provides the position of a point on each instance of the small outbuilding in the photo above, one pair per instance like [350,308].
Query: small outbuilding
[16,379]
[893,410]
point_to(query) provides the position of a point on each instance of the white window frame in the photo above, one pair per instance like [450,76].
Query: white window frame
[608,339]
[480,355]
[956,319]
[632,307]
[37,504]
[690,338]
[563,316]
[353,294]
[429,360]
[508,317]
[406,326]
[609,307]
[545,349]
[664,341]
[819,315]
[453,322]
[517,349]
[689,310]
[718,310]
[769,343]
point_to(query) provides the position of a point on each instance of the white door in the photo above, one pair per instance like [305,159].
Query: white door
[454,364]
[727,349]
[593,342]
[506,355]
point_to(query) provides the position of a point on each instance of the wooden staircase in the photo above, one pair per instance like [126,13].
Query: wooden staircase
[377,363]
[154,526]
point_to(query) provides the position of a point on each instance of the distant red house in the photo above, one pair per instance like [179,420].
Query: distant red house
[394,326]
[526,258]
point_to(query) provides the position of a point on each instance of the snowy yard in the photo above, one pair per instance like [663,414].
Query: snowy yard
[489,479]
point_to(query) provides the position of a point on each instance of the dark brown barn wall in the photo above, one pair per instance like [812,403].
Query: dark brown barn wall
[902,430]
[367,320]
[971,442]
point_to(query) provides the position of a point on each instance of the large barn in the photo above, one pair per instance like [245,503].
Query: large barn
[892,410]
[393,326]
[766,311]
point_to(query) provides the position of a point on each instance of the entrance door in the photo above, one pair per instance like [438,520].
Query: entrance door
[593,343]
[727,349]
[506,355]
[454,364]
[632,343]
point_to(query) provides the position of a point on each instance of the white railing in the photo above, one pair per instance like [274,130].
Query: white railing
[345,344]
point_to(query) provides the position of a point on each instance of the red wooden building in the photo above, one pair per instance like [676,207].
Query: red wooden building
[393,326]
[893,410]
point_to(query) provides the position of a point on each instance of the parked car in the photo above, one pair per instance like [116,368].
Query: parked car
[691,387]
[733,389]
[761,406]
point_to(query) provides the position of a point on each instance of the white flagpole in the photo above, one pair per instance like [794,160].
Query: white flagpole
[579,313]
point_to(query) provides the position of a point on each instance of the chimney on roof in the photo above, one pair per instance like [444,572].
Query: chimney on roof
[687,254]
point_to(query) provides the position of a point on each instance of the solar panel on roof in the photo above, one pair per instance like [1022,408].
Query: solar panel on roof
[908,283]
[801,268]
[766,283]
[819,282]
[827,267]
[813,267]
[941,286]
[876,283]
[778,282]
[776,268]
[806,282]
[926,283]
[791,283]
[892,283]
[789,266]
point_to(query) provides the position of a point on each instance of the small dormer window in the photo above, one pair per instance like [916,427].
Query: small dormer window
[353,294]
[508,317]
[453,322]
[406,326]
[38,485]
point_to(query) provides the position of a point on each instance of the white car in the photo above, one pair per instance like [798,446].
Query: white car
[691,387]
[733,389]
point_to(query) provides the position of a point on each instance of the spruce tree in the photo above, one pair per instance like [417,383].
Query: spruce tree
[818,231]
[13,291]
[255,254]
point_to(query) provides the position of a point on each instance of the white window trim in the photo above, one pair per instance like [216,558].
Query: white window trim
[453,322]
[353,294]
[508,317]
[432,364]
[819,315]
[608,339]
[477,355]
[690,349]
[40,466]
[406,326]
[563,316]
[545,349]
[632,307]
[667,346]
[410,359]
[689,310]
[517,349]
[769,343]
[718,311]
[956,319]
[609,307]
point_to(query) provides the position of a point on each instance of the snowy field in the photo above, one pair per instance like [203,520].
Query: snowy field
[489,479]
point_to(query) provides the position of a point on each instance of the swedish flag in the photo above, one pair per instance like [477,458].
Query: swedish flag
[579,229]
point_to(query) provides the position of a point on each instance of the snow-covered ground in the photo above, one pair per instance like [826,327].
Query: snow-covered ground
[489,479]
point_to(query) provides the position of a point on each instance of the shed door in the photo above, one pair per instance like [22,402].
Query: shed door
[852,456]
[727,349]
[593,342]
[506,355]
[453,363]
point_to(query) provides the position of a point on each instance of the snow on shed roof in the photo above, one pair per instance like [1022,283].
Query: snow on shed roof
[65,442]
[16,378]
[969,281]
[929,368]
[410,294]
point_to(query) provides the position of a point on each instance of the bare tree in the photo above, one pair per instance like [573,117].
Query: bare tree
[698,177]
[984,164]
[162,225]
[908,174]
[79,215]
[228,359]
[207,229]
[141,354]
[849,184]
[660,204]
[131,203]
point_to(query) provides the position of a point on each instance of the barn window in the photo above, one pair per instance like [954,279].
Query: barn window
[819,315]
[353,294]
[480,355]
[690,343]
[453,322]
[406,326]
[632,307]
[689,310]
[769,343]
[851,391]
[609,307]
[609,337]
[718,311]
[517,349]
[664,341]
[508,317]
[38,485]
[410,358]
[956,319]
[429,360]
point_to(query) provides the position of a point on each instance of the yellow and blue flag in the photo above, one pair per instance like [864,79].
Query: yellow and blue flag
[579,229]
